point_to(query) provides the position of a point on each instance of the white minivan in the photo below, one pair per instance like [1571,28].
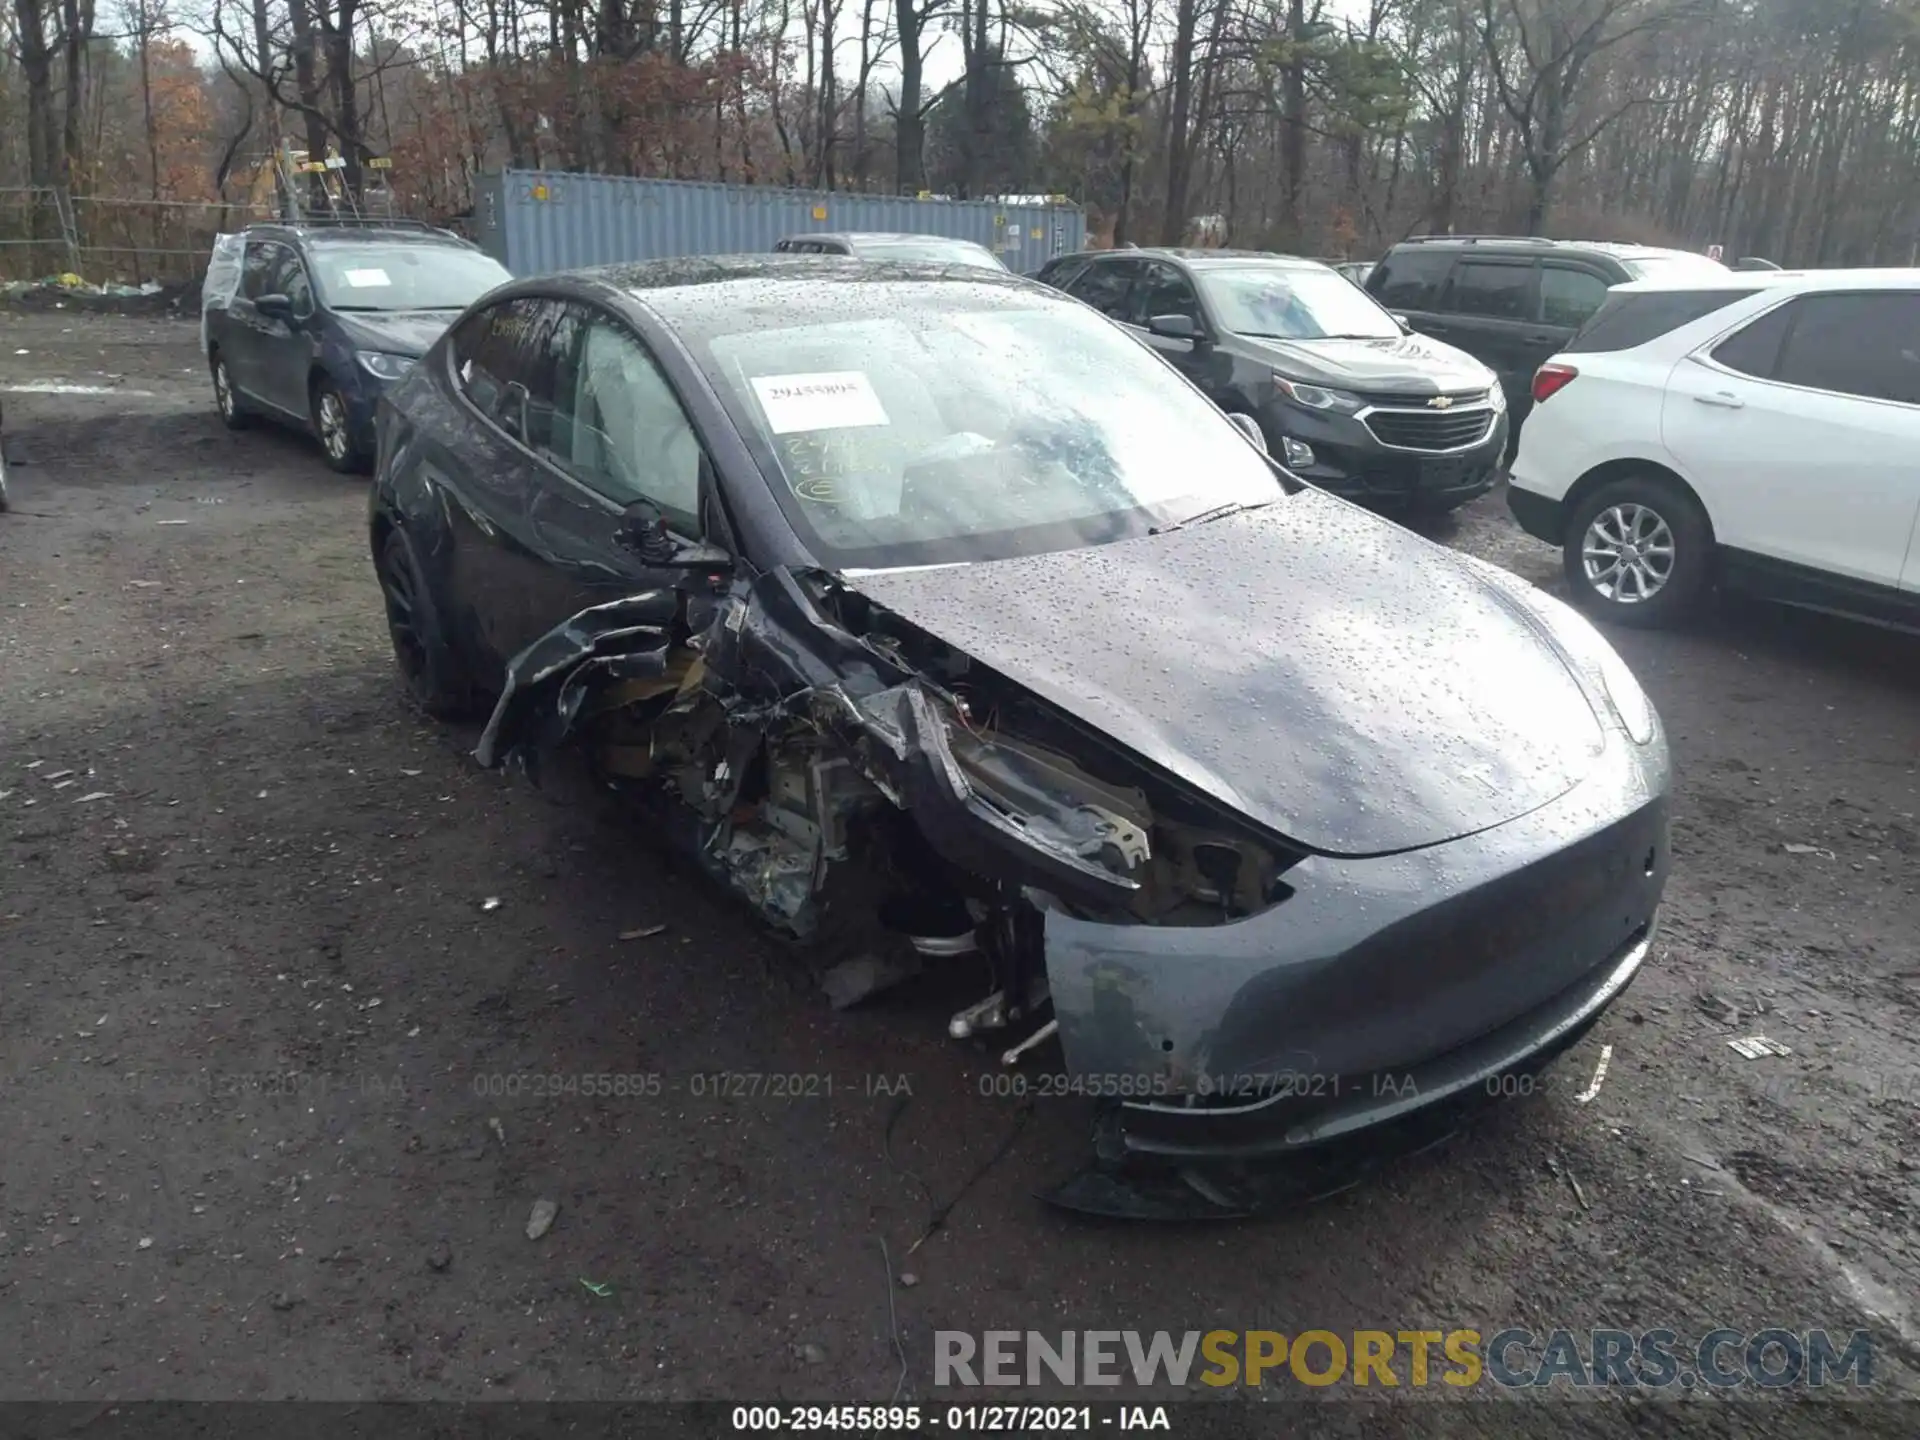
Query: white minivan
[1760,432]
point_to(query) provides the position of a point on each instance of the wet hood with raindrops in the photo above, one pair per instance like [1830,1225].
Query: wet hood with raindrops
[1337,680]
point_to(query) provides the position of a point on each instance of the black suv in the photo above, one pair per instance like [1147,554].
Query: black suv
[326,315]
[1342,393]
[1512,301]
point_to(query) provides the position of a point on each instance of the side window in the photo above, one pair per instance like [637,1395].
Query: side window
[1061,272]
[619,428]
[1755,350]
[1163,291]
[500,346]
[1411,279]
[289,278]
[1104,285]
[1569,297]
[258,264]
[1492,290]
[1866,345]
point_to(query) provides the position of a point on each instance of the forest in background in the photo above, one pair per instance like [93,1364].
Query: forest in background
[1783,128]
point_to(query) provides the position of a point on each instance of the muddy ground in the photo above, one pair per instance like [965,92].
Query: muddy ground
[229,856]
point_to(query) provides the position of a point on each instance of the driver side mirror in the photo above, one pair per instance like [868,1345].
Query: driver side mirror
[644,531]
[275,307]
[1175,327]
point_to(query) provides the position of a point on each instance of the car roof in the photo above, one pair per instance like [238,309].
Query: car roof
[359,233]
[1199,258]
[654,278]
[1620,250]
[857,235]
[1810,281]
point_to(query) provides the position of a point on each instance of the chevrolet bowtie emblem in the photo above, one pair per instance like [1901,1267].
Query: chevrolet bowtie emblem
[1441,402]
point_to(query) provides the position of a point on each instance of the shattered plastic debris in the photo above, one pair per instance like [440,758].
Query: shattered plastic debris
[596,1287]
[1599,1076]
[541,1220]
[1821,851]
[645,932]
[1755,1047]
[490,904]
[852,981]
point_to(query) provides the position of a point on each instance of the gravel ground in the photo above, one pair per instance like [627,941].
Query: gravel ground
[260,865]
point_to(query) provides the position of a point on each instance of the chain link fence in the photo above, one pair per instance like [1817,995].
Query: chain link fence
[108,240]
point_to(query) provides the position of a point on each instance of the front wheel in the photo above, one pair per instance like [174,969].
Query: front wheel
[1638,551]
[331,424]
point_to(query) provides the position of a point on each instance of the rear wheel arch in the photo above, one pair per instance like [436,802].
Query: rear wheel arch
[1614,470]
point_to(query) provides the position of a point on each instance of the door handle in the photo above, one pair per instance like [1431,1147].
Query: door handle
[1721,400]
[1541,338]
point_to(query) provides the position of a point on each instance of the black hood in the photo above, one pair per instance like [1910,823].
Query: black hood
[1335,678]
[1409,364]
[395,332]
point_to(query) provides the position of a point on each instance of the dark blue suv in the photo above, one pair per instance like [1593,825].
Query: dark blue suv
[324,316]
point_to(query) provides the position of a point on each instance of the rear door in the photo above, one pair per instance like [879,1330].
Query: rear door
[484,467]
[1491,310]
[1801,431]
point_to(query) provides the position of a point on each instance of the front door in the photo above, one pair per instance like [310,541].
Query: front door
[1165,290]
[286,349]
[620,452]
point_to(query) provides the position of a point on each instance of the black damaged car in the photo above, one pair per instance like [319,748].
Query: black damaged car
[945,624]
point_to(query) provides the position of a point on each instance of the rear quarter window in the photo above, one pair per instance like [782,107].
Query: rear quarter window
[1626,321]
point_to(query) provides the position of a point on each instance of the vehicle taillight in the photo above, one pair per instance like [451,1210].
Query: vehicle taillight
[1550,380]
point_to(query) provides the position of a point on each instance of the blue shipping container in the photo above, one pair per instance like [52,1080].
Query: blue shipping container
[537,221]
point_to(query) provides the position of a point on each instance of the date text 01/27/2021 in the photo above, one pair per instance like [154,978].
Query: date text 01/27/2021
[954,1419]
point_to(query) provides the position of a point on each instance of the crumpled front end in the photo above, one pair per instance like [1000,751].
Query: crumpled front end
[1227,994]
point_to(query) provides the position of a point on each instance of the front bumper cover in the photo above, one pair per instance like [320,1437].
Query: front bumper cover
[1378,989]
[1351,462]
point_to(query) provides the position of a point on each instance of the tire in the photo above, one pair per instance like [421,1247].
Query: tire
[1664,538]
[335,432]
[430,673]
[233,410]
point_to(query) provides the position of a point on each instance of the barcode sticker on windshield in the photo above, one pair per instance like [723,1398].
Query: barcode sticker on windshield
[367,279]
[832,400]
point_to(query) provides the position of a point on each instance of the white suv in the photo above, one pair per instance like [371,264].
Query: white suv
[1762,431]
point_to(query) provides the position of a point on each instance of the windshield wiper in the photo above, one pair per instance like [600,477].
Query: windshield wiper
[1218,512]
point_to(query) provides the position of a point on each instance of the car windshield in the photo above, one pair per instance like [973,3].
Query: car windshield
[404,277]
[1673,265]
[1292,303]
[934,252]
[929,424]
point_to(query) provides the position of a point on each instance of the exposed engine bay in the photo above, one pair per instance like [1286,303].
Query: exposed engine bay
[874,792]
